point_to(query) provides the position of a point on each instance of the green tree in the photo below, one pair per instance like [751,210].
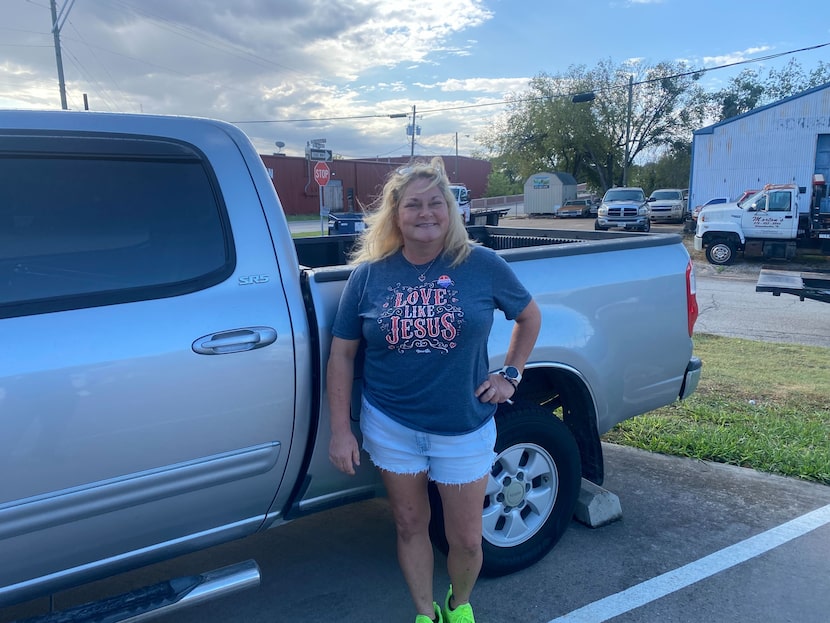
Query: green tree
[751,89]
[670,170]
[544,130]
[743,93]
[501,183]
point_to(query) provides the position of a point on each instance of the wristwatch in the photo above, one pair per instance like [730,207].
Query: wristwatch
[512,374]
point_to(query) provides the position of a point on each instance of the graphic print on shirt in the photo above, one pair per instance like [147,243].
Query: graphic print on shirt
[422,318]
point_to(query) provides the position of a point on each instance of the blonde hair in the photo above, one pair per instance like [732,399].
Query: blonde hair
[382,236]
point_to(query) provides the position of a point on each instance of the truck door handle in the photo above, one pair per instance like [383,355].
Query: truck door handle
[234,341]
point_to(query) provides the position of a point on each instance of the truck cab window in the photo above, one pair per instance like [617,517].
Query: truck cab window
[102,228]
[779,202]
[759,204]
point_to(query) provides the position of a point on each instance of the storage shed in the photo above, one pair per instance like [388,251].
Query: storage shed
[546,192]
[785,142]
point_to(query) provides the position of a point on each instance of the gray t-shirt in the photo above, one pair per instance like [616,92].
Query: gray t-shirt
[426,342]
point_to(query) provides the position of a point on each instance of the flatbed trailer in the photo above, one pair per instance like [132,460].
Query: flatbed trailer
[813,285]
[487,216]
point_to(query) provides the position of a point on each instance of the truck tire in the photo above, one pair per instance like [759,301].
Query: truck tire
[647,226]
[721,252]
[531,494]
[598,228]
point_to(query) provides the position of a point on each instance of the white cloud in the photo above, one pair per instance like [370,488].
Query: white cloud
[241,61]
[483,85]
[734,57]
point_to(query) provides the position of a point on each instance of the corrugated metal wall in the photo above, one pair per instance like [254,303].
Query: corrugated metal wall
[362,180]
[775,144]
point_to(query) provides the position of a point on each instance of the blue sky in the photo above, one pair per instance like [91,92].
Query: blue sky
[336,69]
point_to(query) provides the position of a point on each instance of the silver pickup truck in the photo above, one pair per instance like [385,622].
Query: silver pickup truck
[161,384]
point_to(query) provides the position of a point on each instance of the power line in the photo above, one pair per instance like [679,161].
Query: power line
[506,102]
[727,65]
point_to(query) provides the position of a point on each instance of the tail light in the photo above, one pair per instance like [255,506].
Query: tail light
[691,297]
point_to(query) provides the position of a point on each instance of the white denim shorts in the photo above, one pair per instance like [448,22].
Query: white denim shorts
[447,459]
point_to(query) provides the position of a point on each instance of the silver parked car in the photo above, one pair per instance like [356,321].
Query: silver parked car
[668,204]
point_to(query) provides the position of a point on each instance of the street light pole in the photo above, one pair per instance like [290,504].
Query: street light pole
[589,96]
[628,130]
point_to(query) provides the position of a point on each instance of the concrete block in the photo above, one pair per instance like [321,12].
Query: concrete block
[596,506]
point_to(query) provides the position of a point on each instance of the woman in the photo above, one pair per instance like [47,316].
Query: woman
[422,299]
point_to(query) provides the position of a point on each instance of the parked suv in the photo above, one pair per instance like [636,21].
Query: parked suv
[668,204]
[625,208]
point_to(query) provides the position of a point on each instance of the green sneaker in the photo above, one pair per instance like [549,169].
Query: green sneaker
[422,618]
[462,613]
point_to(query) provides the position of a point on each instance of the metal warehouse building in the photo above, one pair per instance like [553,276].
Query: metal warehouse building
[785,142]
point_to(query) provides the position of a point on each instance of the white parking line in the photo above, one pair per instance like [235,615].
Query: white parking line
[655,588]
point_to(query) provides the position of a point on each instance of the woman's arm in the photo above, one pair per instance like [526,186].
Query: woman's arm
[524,335]
[497,389]
[343,450]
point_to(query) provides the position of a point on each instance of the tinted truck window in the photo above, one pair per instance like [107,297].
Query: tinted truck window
[88,222]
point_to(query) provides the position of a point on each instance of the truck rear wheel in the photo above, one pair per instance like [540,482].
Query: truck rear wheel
[531,493]
[721,253]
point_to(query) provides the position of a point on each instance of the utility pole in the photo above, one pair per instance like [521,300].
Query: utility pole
[56,33]
[455,171]
[410,128]
[412,151]
[628,130]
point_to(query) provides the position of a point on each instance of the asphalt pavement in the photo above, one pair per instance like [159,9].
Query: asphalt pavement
[698,542]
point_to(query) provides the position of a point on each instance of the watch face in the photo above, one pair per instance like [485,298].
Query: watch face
[511,372]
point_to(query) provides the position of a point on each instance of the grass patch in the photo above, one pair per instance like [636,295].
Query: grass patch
[306,234]
[760,405]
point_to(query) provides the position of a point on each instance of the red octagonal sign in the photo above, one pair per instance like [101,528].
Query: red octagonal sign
[322,173]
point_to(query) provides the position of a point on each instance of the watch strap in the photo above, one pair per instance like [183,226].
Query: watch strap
[513,382]
[512,374]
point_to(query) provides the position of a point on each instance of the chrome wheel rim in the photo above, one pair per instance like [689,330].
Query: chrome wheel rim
[520,496]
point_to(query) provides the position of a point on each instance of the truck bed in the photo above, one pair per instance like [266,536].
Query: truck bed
[320,251]
[602,295]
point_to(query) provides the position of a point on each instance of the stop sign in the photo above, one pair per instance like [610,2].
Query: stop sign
[321,173]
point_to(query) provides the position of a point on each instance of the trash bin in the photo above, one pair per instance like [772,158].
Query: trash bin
[345,223]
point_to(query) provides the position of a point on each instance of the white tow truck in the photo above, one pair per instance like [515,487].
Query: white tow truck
[462,198]
[766,224]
